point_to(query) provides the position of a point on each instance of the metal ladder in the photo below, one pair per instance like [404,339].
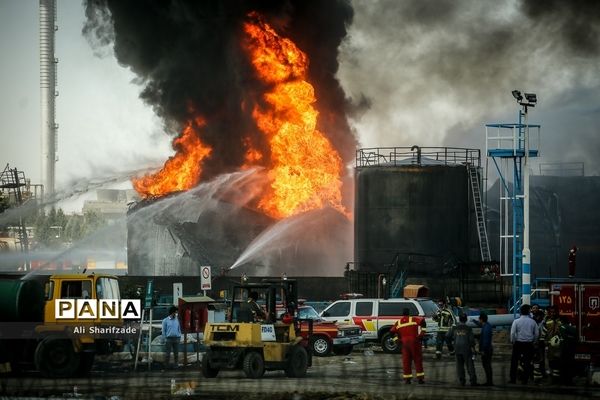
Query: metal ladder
[484,246]
[398,284]
[398,277]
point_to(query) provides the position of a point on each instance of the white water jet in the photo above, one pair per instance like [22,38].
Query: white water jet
[312,240]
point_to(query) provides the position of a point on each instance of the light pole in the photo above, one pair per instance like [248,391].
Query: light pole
[529,101]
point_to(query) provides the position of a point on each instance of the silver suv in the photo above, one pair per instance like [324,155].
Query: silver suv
[376,316]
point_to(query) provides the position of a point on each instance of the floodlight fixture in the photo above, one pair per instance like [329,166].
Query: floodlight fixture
[529,101]
[517,95]
[531,97]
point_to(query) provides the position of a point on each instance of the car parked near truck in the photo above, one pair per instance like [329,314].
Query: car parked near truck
[328,337]
[375,317]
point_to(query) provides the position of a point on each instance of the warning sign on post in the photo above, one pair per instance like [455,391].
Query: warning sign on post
[177,292]
[205,278]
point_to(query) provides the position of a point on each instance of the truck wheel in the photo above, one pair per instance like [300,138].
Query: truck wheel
[342,350]
[254,365]
[389,345]
[297,362]
[207,370]
[55,358]
[320,346]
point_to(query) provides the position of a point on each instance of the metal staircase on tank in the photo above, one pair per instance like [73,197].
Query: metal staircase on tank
[484,246]
[398,284]
[398,277]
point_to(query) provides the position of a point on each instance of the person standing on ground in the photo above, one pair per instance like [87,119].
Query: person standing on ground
[445,320]
[171,331]
[411,331]
[523,333]
[464,344]
[486,348]
[572,261]
[552,330]
[539,358]
[568,334]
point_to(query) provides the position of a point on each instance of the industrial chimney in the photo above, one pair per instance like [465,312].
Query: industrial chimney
[48,93]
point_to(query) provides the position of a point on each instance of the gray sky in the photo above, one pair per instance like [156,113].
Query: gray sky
[103,127]
[433,73]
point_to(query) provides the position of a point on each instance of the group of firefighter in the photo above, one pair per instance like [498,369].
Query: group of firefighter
[548,340]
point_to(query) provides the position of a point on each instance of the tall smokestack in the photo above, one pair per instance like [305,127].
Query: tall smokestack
[48,93]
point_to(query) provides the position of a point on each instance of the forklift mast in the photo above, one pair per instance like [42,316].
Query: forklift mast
[284,292]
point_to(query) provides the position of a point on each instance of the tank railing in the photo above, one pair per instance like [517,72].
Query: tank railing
[397,156]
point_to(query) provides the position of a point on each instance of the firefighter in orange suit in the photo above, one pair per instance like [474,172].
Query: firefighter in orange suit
[411,330]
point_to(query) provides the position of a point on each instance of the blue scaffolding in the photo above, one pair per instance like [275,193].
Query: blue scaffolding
[510,145]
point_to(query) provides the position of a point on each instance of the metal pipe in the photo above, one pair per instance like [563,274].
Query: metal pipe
[418,153]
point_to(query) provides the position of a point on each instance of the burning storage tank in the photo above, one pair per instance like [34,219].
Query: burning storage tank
[211,224]
[178,233]
[414,207]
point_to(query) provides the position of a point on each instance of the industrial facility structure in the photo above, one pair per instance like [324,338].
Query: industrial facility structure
[417,203]
[419,215]
[48,93]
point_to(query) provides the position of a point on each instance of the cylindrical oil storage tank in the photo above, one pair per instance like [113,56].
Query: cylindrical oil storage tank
[414,209]
[21,301]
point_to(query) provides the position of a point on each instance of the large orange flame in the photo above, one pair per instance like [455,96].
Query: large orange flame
[180,172]
[305,167]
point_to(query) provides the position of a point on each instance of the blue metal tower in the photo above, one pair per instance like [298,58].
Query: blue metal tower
[511,147]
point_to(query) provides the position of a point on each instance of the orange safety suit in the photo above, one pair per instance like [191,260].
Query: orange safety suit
[411,330]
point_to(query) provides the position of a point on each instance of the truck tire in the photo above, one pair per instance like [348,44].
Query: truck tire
[389,345]
[254,365]
[342,350]
[320,345]
[56,358]
[207,370]
[297,362]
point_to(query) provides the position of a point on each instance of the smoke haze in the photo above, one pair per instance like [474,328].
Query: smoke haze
[434,72]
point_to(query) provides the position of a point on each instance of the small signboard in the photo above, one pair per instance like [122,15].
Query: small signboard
[205,279]
[267,333]
[177,292]
[149,290]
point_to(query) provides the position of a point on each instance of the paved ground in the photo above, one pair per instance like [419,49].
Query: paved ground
[363,375]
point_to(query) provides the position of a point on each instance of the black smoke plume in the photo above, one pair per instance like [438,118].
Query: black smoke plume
[578,22]
[189,60]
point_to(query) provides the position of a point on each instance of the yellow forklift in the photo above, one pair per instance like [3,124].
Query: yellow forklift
[255,344]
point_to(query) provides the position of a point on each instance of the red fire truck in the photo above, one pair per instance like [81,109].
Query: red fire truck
[579,301]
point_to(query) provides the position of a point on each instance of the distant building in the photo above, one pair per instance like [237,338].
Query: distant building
[563,213]
[111,203]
